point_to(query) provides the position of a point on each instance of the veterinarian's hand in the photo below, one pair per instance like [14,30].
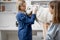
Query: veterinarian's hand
[35,9]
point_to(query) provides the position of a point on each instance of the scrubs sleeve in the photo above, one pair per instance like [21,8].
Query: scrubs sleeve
[25,19]
[31,20]
[20,17]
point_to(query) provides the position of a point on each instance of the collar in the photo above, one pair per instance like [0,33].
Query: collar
[22,12]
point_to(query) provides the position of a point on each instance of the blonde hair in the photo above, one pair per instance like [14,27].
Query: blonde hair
[20,4]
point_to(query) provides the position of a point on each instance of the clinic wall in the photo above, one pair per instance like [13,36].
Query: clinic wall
[7,19]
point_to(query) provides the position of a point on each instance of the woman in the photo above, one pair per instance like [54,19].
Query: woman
[54,29]
[25,22]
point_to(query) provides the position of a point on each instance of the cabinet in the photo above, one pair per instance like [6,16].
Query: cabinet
[8,6]
[12,35]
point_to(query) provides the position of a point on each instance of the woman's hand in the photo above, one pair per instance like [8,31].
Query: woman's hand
[35,9]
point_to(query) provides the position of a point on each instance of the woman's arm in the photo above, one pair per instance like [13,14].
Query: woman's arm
[31,20]
[25,19]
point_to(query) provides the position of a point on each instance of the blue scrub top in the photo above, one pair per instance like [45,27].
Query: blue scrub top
[24,25]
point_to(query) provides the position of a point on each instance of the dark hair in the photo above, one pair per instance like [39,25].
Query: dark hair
[21,3]
[58,11]
[56,15]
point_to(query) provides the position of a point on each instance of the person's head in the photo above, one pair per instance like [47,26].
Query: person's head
[55,10]
[22,6]
[52,6]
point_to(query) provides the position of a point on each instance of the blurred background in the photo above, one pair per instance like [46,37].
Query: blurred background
[8,22]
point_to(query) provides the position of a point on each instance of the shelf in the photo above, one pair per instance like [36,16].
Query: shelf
[9,12]
[8,1]
[8,6]
[16,28]
[42,0]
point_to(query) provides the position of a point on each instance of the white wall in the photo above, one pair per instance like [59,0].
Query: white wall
[7,19]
